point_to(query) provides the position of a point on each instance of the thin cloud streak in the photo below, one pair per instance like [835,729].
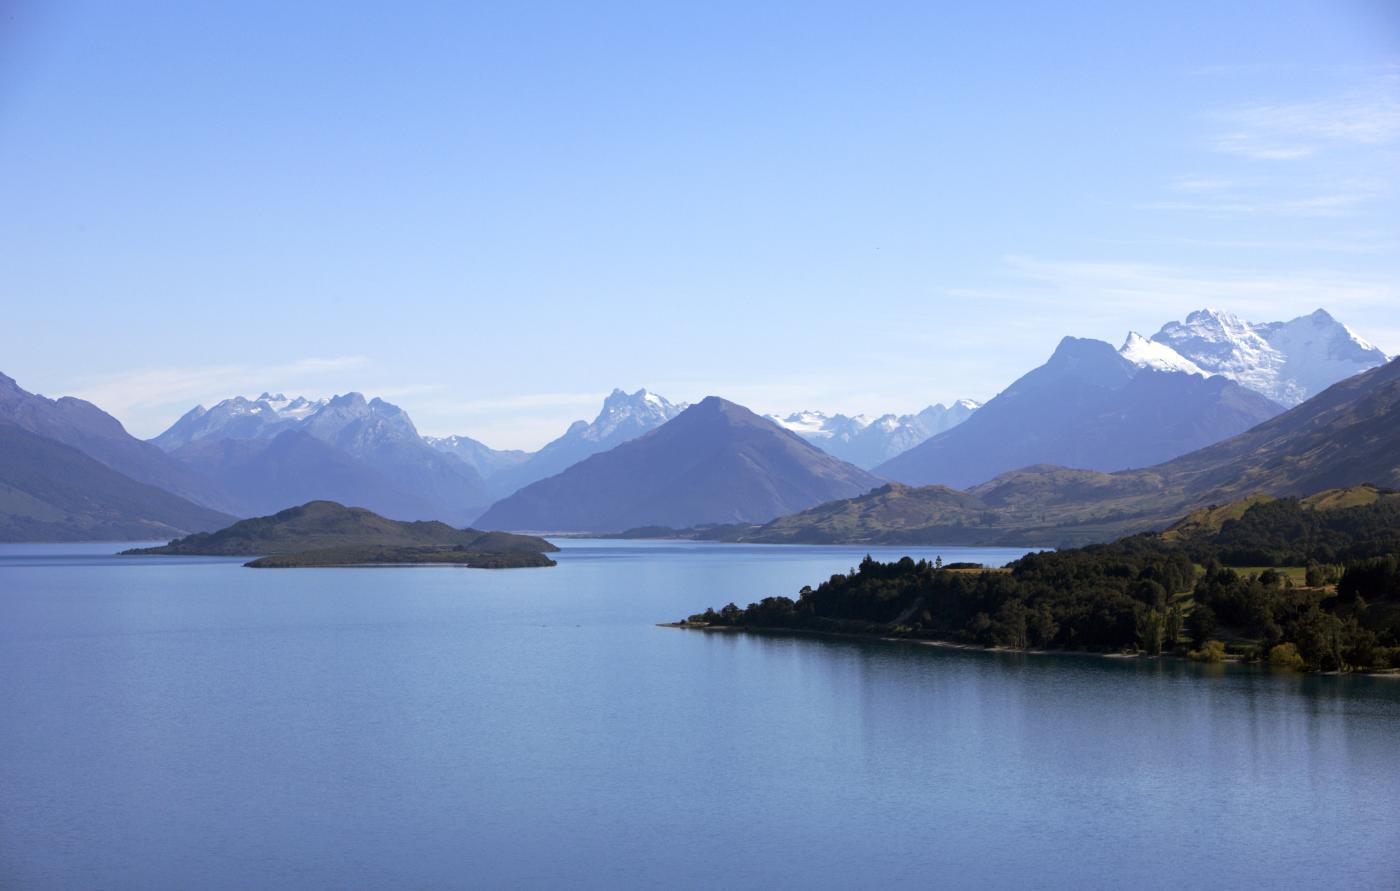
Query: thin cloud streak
[142,398]
[1086,283]
[1298,130]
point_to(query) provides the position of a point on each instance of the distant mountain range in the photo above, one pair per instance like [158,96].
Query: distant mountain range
[715,462]
[1089,407]
[482,458]
[273,452]
[1347,435]
[624,417]
[865,441]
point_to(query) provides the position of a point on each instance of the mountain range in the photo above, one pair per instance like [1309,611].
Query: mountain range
[715,462]
[865,441]
[1057,441]
[1347,435]
[624,416]
[1089,407]
[273,452]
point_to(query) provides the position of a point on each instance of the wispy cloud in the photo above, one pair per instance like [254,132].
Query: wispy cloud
[146,398]
[1197,184]
[522,401]
[1364,242]
[1171,289]
[1331,204]
[1291,131]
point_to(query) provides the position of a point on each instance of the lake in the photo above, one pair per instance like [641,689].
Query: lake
[186,722]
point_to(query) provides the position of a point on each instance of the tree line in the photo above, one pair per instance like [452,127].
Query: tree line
[1143,593]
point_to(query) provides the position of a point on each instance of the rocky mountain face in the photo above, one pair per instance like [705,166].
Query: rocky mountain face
[865,441]
[716,462]
[1090,407]
[239,418]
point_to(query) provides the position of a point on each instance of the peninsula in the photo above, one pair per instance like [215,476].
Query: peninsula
[1309,583]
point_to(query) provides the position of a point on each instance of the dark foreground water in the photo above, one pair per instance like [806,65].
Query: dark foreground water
[174,722]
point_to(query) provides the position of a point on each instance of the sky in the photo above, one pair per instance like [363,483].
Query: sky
[494,214]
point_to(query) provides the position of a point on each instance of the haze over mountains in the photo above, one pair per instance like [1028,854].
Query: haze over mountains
[1090,408]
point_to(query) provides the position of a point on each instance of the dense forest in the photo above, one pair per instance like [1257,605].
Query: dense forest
[1285,582]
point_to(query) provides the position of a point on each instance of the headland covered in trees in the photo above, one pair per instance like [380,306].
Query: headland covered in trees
[1310,583]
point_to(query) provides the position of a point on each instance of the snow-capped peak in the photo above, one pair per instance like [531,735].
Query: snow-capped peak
[641,410]
[1285,361]
[1146,353]
[866,441]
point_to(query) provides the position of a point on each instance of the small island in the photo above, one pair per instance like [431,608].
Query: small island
[1306,583]
[324,534]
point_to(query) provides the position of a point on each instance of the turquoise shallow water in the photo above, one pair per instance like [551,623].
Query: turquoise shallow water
[185,722]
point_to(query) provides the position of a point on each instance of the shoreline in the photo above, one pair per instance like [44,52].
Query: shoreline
[922,641]
[958,645]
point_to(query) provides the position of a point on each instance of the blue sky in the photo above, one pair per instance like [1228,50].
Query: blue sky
[492,215]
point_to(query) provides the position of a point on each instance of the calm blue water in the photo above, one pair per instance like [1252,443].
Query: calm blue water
[184,722]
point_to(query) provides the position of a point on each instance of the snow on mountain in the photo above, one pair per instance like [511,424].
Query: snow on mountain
[624,416]
[626,412]
[865,441]
[1285,361]
[1146,353]
[363,451]
[1318,351]
[239,418]
[487,461]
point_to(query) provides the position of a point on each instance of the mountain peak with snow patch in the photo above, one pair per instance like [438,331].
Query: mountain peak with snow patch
[1146,353]
[1285,361]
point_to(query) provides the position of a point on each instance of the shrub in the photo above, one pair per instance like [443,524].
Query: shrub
[1211,651]
[1286,655]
